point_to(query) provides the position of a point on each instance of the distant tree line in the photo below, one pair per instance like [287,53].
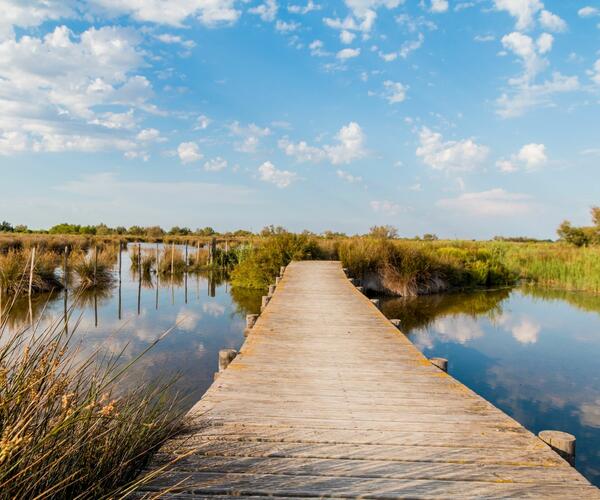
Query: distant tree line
[104,230]
[581,236]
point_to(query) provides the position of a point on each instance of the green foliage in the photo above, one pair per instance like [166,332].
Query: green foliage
[207,231]
[6,227]
[574,235]
[180,231]
[581,236]
[383,232]
[258,265]
[66,228]
[413,268]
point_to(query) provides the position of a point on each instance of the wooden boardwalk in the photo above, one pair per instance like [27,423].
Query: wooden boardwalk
[328,399]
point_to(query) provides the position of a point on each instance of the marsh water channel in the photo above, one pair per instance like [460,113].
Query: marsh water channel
[534,353]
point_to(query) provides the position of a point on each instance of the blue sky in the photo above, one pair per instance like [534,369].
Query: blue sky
[463,118]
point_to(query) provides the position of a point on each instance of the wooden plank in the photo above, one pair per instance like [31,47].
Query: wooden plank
[377,469]
[200,483]
[328,398]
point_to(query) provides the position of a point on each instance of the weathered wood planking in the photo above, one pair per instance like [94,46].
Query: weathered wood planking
[328,398]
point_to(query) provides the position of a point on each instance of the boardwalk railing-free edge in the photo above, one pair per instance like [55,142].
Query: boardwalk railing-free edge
[327,398]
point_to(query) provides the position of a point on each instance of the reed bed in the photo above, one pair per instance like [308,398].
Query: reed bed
[65,430]
[94,269]
[146,258]
[172,261]
[198,259]
[16,272]
[556,265]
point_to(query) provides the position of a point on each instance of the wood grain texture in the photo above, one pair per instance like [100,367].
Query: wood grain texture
[327,398]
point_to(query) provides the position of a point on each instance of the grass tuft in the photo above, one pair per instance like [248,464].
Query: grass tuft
[65,430]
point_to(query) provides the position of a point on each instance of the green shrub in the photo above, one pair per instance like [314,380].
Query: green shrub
[259,264]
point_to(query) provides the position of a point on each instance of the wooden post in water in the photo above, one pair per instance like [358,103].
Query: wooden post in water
[278,280]
[186,253]
[396,323]
[31,268]
[157,260]
[95,264]
[197,254]
[120,259]
[226,356]
[213,250]
[139,297]
[562,443]
[281,271]
[271,290]
[441,363]
[265,302]
[250,322]
[172,257]
[96,308]
[157,275]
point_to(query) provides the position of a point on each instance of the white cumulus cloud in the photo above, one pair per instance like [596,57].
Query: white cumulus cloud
[438,6]
[552,22]
[533,155]
[52,89]
[215,165]
[348,53]
[395,92]
[350,146]
[588,11]
[189,152]
[281,178]
[523,10]
[171,12]
[251,136]
[450,156]
[267,11]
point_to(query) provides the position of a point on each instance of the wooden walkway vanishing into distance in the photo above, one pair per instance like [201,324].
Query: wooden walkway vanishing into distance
[327,398]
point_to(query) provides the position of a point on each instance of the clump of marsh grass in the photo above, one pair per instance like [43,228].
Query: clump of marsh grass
[15,272]
[172,261]
[148,261]
[93,270]
[65,432]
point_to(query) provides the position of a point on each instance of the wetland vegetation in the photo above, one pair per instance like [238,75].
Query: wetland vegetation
[65,418]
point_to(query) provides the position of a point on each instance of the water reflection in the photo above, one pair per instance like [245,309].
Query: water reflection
[138,308]
[532,352]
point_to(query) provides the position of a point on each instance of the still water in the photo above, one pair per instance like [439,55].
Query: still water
[200,310]
[533,353]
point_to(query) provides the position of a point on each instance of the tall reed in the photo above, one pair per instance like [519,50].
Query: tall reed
[65,429]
